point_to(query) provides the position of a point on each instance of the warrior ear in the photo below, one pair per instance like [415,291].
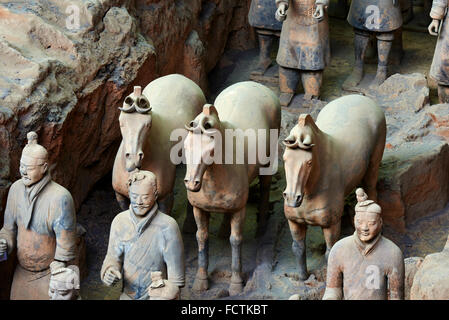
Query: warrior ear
[209,110]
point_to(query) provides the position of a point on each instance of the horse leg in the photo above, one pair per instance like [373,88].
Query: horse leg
[331,235]
[298,231]
[123,201]
[166,204]
[264,205]
[236,238]
[202,236]
[189,226]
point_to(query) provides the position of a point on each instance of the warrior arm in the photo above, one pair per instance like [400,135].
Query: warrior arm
[174,255]
[64,227]
[438,9]
[396,277]
[9,230]
[114,256]
[285,2]
[334,280]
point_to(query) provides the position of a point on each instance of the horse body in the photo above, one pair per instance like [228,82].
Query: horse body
[223,187]
[344,149]
[174,100]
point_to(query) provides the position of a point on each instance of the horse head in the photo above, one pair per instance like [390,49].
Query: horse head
[299,160]
[200,146]
[135,122]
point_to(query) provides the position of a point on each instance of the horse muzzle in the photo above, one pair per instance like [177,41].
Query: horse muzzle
[133,161]
[193,185]
[293,201]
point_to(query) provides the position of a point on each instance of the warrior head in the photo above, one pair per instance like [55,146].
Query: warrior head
[142,191]
[64,283]
[34,161]
[368,219]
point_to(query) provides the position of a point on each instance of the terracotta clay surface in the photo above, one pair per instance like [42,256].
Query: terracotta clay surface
[366,265]
[221,185]
[304,46]
[325,161]
[166,104]
[431,280]
[439,69]
[40,222]
[143,240]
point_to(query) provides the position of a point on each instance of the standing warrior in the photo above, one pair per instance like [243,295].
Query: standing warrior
[261,17]
[365,266]
[143,240]
[381,18]
[40,222]
[440,64]
[304,49]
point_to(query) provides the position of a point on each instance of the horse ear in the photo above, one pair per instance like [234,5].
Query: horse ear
[209,110]
[305,119]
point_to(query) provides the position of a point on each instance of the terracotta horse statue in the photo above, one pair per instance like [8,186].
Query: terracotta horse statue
[327,160]
[218,180]
[147,120]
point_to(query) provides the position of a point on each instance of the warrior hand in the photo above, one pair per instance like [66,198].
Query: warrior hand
[434,26]
[281,12]
[55,265]
[111,277]
[319,12]
[3,246]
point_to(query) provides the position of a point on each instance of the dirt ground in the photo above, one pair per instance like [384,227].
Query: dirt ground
[268,263]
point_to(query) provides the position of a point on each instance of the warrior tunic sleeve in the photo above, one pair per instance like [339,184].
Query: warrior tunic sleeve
[395,277]
[174,254]
[334,280]
[438,9]
[9,230]
[64,227]
[114,256]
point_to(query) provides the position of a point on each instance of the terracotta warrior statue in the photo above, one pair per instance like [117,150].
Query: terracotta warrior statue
[143,240]
[365,266]
[65,284]
[440,64]
[304,49]
[40,222]
[261,17]
[373,17]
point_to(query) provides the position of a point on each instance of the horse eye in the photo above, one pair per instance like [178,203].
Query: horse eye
[309,163]
[129,101]
[192,124]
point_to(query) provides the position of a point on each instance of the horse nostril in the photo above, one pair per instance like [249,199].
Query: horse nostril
[140,155]
[298,198]
[285,195]
[127,155]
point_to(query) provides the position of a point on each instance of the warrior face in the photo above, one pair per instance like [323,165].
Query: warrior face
[143,196]
[368,225]
[32,169]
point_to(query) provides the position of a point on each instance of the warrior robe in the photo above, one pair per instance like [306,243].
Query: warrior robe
[262,16]
[40,221]
[375,15]
[138,247]
[440,64]
[304,42]
[366,271]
